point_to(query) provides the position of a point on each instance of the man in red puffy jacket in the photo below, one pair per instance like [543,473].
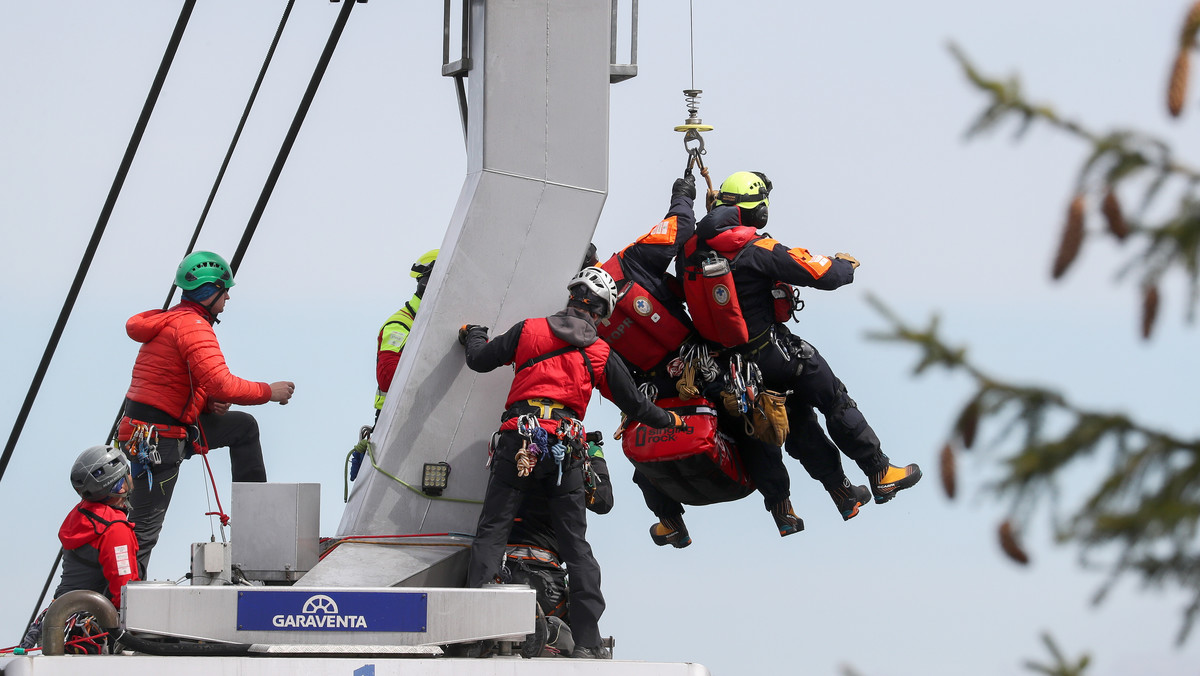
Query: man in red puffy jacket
[182,389]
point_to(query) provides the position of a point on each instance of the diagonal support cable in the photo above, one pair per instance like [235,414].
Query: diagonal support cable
[294,130]
[98,232]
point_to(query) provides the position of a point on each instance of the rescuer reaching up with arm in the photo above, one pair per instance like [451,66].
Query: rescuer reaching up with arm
[729,273]
[179,397]
[394,334]
[558,361]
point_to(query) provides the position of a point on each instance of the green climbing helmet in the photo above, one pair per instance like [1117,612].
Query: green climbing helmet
[201,267]
[746,189]
[424,265]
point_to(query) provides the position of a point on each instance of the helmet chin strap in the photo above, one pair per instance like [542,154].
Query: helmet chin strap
[211,302]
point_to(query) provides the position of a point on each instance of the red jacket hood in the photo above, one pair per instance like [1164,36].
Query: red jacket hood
[144,326]
[78,530]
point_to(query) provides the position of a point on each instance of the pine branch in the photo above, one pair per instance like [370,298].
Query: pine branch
[1147,507]
[1119,159]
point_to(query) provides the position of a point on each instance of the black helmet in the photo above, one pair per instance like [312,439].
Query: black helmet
[96,471]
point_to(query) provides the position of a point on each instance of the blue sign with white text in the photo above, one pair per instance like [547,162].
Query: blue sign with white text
[331,611]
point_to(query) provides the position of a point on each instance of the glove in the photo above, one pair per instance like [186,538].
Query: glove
[685,187]
[465,330]
[847,257]
[356,464]
[677,423]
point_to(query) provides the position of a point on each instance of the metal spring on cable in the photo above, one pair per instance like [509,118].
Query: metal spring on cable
[691,98]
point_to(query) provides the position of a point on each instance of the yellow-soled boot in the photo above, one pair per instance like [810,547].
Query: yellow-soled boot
[670,531]
[893,479]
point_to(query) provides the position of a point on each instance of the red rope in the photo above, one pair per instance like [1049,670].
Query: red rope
[220,511]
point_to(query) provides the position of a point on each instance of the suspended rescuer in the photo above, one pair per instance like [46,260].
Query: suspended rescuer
[729,272]
[99,547]
[654,325]
[179,397]
[558,361]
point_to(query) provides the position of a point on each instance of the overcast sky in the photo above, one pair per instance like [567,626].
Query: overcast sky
[855,111]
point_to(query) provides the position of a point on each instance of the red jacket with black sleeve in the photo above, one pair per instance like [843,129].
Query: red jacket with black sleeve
[180,366]
[567,377]
[100,550]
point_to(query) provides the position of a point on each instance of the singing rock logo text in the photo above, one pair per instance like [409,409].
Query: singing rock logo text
[650,435]
[320,612]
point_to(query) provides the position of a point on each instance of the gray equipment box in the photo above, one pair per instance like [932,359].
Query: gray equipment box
[274,530]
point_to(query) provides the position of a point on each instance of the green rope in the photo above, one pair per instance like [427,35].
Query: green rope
[366,446]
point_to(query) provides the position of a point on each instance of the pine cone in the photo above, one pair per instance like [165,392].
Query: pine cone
[1072,237]
[949,475]
[1149,310]
[1177,89]
[1112,213]
[968,423]
[1008,542]
[1187,36]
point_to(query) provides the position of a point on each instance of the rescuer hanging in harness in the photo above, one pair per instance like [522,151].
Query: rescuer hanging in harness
[180,393]
[558,361]
[729,272]
[647,331]
[99,547]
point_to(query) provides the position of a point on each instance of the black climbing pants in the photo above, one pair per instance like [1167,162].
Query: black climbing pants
[153,489]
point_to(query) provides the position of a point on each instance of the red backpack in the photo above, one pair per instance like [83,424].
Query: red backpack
[641,329]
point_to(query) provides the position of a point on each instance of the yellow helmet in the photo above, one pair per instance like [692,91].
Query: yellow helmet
[424,265]
[746,189]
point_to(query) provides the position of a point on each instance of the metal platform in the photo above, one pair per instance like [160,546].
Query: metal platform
[144,665]
[349,616]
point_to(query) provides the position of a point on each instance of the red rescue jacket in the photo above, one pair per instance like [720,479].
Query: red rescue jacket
[180,366]
[103,538]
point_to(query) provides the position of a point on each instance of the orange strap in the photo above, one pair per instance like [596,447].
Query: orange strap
[125,429]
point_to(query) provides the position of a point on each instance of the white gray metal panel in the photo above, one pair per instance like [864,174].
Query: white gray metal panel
[537,180]
[275,528]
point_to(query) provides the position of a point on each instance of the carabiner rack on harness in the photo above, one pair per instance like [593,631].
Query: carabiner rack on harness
[142,449]
[691,128]
[532,446]
[570,438]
